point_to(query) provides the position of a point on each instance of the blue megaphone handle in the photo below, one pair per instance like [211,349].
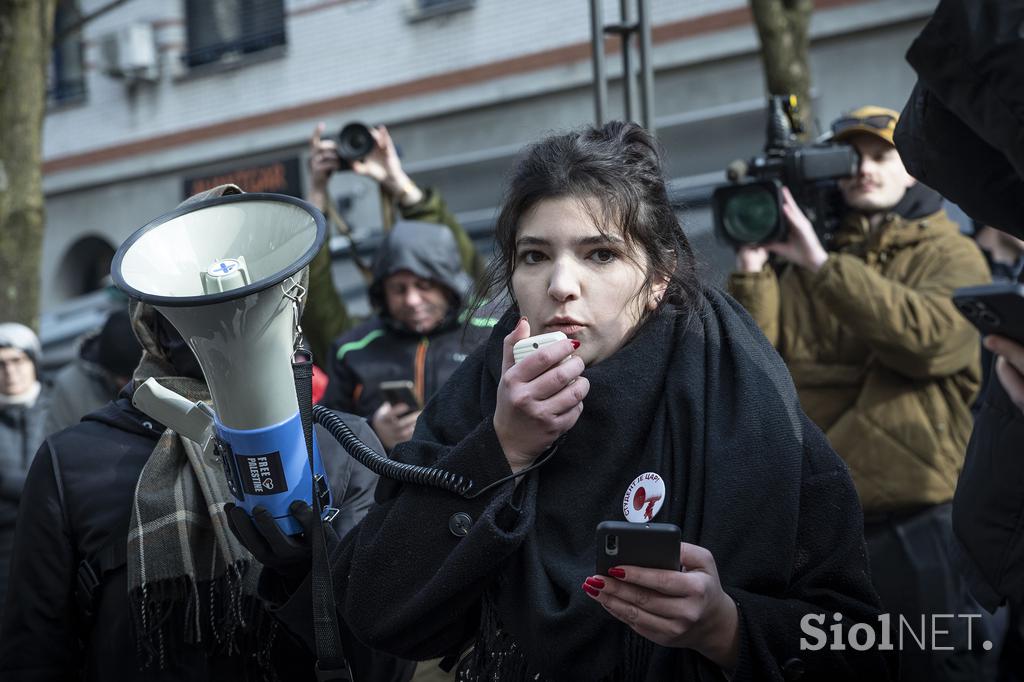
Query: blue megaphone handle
[269,467]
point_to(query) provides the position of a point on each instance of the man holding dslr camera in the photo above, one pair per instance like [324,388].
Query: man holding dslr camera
[885,365]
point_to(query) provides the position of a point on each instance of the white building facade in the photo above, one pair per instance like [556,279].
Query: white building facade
[172,95]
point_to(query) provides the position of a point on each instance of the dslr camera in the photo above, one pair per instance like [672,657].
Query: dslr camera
[355,141]
[748,211]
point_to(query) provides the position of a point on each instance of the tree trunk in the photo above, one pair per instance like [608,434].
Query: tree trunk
[782,26]
[26,31]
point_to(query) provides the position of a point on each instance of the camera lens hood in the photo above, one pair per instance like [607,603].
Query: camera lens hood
[355,141]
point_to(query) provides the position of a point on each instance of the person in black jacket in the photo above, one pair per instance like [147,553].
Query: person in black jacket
[72,611]
[419,293]
[960,133]
[664,403]
[103,365]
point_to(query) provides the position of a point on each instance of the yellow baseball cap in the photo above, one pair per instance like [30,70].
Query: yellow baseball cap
[877,121]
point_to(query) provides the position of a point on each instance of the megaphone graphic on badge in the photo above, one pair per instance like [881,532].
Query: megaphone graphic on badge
[226,273]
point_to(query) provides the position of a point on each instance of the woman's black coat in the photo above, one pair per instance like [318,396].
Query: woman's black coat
[413,577]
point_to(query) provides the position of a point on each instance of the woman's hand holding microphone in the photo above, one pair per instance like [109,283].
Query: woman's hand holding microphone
[539,398]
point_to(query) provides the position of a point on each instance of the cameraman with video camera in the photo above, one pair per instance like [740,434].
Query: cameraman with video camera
[885,365]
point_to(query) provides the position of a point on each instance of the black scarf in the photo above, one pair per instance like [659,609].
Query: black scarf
[702,400]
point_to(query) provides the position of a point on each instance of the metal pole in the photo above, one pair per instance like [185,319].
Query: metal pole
[627,61]
[597,56]
[646,67]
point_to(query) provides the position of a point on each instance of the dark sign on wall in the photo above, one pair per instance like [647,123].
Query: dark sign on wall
[281,177]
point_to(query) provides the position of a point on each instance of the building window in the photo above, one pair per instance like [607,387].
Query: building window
[220,30]
[418,10]
[66,76]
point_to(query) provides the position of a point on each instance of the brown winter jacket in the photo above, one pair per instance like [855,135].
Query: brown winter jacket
[882,360]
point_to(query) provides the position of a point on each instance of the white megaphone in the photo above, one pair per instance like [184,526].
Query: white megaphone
[225,272]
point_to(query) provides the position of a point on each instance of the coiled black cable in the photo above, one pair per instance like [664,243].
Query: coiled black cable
[387,468]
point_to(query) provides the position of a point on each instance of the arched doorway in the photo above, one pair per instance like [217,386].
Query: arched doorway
[84,267]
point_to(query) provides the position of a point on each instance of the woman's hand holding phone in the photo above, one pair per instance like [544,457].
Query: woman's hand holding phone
[674,608]
[539,398]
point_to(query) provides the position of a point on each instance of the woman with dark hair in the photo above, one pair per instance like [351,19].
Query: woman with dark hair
[659,375]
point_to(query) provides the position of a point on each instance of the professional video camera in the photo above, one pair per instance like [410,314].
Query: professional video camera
[749,210]
[355,141]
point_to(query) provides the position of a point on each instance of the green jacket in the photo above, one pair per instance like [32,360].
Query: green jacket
[325,316]
[883,362]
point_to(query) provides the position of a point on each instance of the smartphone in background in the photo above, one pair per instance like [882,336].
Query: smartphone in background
[534,343]
[651,545]
[401,392]
[994,308]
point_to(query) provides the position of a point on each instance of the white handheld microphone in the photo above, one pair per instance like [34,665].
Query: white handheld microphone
[535,343]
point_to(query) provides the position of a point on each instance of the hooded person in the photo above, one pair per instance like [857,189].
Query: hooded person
[125,567]
[24,402]
[419,294]
[962,132]
[105,362]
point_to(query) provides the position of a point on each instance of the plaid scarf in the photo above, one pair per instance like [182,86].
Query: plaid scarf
[189,580]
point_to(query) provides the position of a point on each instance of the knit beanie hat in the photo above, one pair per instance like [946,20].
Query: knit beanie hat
[119,351]
[14,335]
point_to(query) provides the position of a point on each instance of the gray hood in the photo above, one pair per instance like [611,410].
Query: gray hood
[427,250]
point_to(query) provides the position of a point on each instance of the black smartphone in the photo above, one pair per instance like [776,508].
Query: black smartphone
[994,308]
[651,545]
[400,392]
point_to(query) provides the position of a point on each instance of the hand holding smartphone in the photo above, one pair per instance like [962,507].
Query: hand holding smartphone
[994,308]
[649,545]
[401,393]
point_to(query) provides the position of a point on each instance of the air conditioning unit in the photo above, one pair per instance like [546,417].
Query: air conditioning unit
[130,53]
[420,10]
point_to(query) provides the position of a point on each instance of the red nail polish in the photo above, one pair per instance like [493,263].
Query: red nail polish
[617,572]
[575,344]
[589,590]
[595,582]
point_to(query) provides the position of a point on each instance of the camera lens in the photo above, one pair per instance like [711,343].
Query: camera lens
[355,141]
[989,318]
[611,545]
[977,310]
[751,217]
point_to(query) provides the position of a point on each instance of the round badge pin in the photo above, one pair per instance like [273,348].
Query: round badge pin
[643,498]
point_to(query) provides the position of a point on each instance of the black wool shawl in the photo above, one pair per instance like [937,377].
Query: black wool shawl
[704,401]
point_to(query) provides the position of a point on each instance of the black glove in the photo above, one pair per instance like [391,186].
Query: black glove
[290,556]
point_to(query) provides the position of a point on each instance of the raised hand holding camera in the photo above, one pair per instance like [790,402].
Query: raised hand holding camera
[802,246]
[382,164]
[539,398]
